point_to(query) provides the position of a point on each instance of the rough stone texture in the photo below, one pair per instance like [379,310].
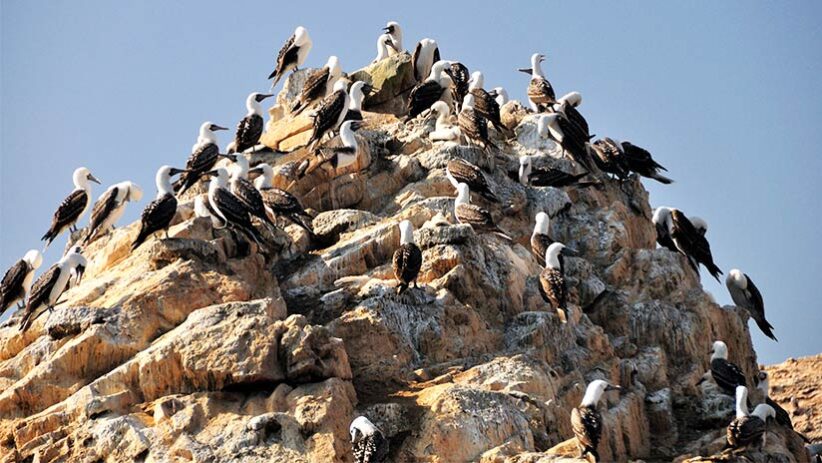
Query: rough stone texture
[205,348]
[800,379]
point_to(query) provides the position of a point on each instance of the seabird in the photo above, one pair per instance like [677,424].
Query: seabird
[460,76]
[330,113]
[356,97]
[444,130]
[17,280]
[586,420]
[110,207]
[609,158]
[251,126]
[479,219]
[73,207]
[50,286]
[204,155]
[159,213]
[428,91]
[245,190]
[745,294]
[318,84]
[541,237]
[369,444]
[691,243]
[484,102]
[552,279]
[640,161]
[425,55]
[500,95]
[547,176]
[384,43]
[568,105]
[700,224]
[407,258]
[540,92]
[337,156]
[726,374]
[662,222]
[228,207]
[202,208]
[559,128]
[394,31]
[746,428]
[281,202]
[459,170]
[292,55]
[473,124]
[782,416]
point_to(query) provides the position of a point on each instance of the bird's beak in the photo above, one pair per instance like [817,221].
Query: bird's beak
[369,89]
[176,171]
[526,70]
[217,127]
[386,29]
[93,179]
[493,92]
[612,387]
[230,157]
[263,96]
[255,171]
[570,251]
[356,125]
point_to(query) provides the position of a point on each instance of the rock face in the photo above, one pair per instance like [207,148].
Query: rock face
[799,379]
[205,348]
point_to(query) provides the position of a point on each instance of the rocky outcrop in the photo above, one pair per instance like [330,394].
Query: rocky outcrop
[795,385]
[204,347]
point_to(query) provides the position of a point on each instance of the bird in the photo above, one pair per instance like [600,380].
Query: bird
[484,102]
[318,85]
[444,130]
[460,76]
[329,114]
[204,154]
[727,375]
[337,156]
[639,160]
[280,202]
[567,105]
[559,128]
[73,207]
[425,55]
[700,224]
[369,444]
[160,212]
[500,95]
[393,29]
[17,280]
[407,258]
[292,54]
[356,95]
[691,243]
[552,279]
[479,219]
[541,236]
[384,44]
[540,92]
[745,294]
[50,286]
[473,125]
[746,429]
[250,128]
[529,175]
[586,421]
[245,190]
[202,208]
[608,156]
[459,170]
[781,415]
[228,207]
[662,221]
[429,91]
[109,207]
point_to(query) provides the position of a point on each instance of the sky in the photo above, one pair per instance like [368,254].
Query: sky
[726,95]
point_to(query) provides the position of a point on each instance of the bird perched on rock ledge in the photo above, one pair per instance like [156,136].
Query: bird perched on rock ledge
[586,420]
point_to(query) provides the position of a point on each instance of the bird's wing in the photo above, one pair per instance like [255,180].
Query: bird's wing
[414,58]
[42,287]
[407,262]
[203,158]
[70,208]
[13,279]
[315,85]
[587,426]
[474,215]
[286,50]
[102,208]
[249,130]
[540,91]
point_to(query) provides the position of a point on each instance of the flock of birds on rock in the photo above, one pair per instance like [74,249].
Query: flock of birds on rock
[444,89]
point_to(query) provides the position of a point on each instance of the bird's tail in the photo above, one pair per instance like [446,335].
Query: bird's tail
[27,320]
[298,107]
[490,196]
[140,239]
[276,78]
[714,270]
[766,328]
[662,179]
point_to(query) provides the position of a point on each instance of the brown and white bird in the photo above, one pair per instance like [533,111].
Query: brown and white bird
[479,219]
[460,76]
[204,154]
[429,91]
[368,443]
[567,105]
[109,207]
[484,102]
[473,125]
[394,31]
[337,157]
[17,280]
[541,236]
[573,142]
[73,207]
[608,156]
[250,127]
[245,190]
[425,54]
[444,129]
[691,243]
[552,283]
[586,421]
[782,416]
[280,202]
[728,376]
[50,286]
[329,114]
[639,160]
[745,294]
[540,92]
[157,216]
[529,175]
[318,85]
[662,222]
[233,212]
[746,429]
[407,258]
[292,55]
[459,170]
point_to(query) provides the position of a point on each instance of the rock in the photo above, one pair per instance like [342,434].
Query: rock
[393,79]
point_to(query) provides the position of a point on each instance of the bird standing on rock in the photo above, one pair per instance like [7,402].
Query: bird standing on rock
[245,190]
[51,285]
[473,125]
[233,212]
[407,258]
[16,282]
[280,202]
[541,236]
[552,282]
[369,444]
[160,212]
[429,91]
[73,207]
[330,113]
[745,294]
[318,85]
[110,207]
[586,421]
[250,128]
[540,92]
[459,170]
[204,154]
[727,375]
[479,219]
[292,55]
[746,429]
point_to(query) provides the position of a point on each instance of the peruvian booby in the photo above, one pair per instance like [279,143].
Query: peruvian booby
[745,294]
[17,280]
[541,236]
[460,76]
[573,142]
[394,31]
[691,243]
[484,102]
[479,219]
[662,222]
[444,129]
[546,176]
[746,429]
[109,207]
[429,91]
[459,170]
[500,95]
[160,212]
[50,286]
[552,280]
[337,156]
[250,128]
[407,258]
[292,54]
[425,55]
[726,374]
[640,161]
[245,190]
[384,43]
[318,85]
[329,114]
[231,209]
[473,125]
[369,444]
[780,414]
[73,207]
[567,105]
[280,202]
[586,421]
[540,92]
[202,208]
[204,155]
[608,156]
[356,95]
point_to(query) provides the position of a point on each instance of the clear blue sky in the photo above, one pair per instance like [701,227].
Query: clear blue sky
[725,94]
